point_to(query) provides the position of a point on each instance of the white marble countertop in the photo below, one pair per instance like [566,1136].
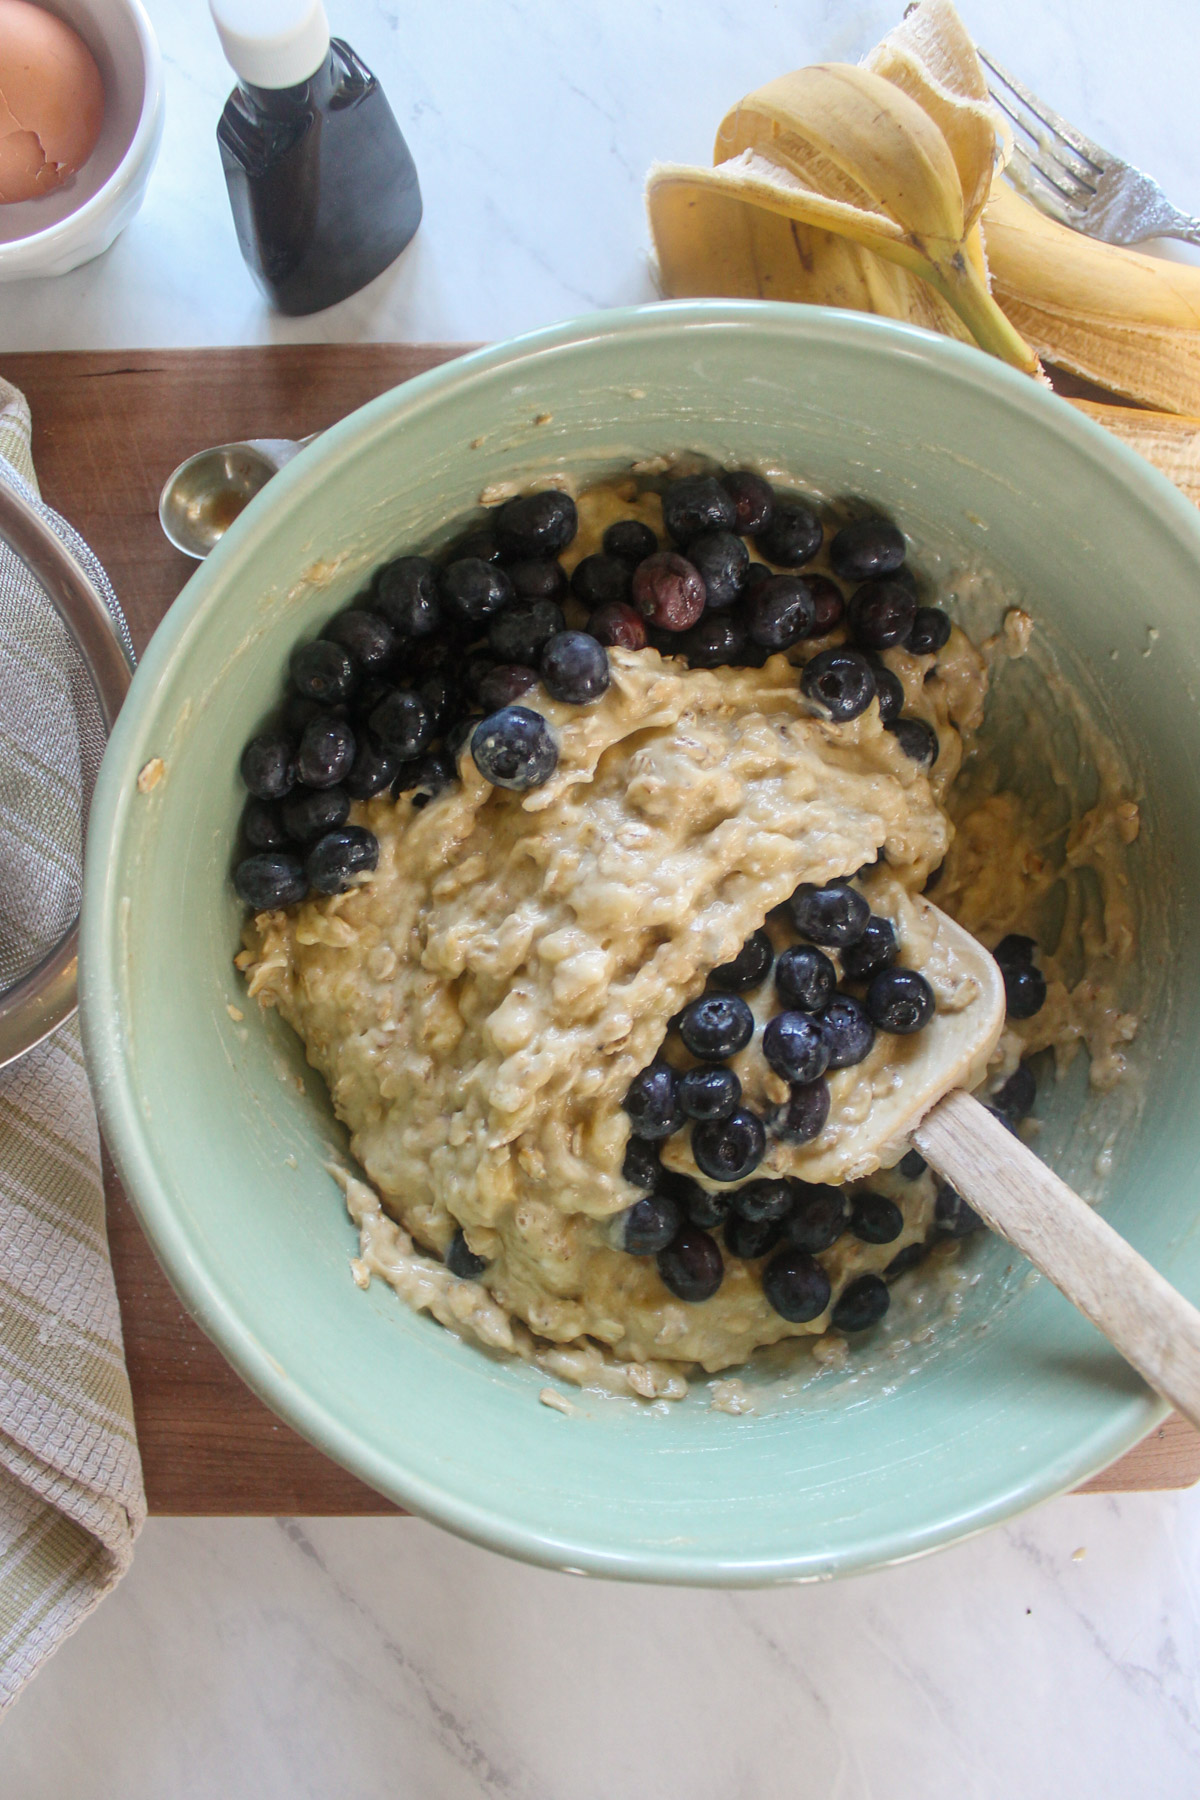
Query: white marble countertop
[363,1659]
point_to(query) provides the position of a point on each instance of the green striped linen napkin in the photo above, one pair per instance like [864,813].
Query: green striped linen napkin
[71,1497]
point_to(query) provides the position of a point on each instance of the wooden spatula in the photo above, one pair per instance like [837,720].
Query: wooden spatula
[1155,1329]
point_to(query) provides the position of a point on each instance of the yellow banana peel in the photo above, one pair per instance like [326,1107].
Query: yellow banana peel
[1128,322]
[876,188]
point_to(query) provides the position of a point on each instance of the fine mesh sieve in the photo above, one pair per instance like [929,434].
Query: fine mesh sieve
[66,659]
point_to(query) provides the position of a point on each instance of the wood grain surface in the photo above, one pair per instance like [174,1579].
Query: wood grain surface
[108,428]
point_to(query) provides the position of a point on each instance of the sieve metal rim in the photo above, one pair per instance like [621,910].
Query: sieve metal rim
[46,996]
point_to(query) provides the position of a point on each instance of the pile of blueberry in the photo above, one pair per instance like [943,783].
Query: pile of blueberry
[821,1027]
[437,655]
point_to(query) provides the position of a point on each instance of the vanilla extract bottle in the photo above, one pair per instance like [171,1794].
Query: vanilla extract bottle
[322,185]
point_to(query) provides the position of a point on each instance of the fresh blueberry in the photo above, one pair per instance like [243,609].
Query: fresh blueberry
[952,1216]
[764,1199]
[805,978]
[1015,951]
[480,542]
[802,1116]
[504,685]
[818,1217]
[477,668]
[889,691]
[796,1286]
[848,1031]
[722,560]
[779,612]
[539,578]
[875,950]
[875,1219]
[716,1026]
[297,710]
[1003,1119]
[373,770]
[262,825]
[574,668]
[707,1207]
[861,1304]
[865,549]
[1014,1100]
[599,579]
[709,1093]
[641,1167]
[311,812]
[691,1268]
[339,856]
[900,1000]
[326,753]
[269,880]
[793,536]
[461,1260]
[652,1103]
[433,772]
[829,605]
[321,671]
[472,590]
[695,504]
[917,739]
[1024,990]
[366,699]
[749,968]
[912,1165]
[751,1238]
[729,1149]
[795,1047]
[753,500]
[402,723]
[459,734]
[514,748]
[367,636]
[758,571]
[668,591]
[618,625]
[835,915]
[269,766]
[881,614]
[536,524]
[406,594]
[649,1225]
[714,642]
[905,1260]
[930,631]
[521,632]
[839,682]
[440,694]
[629,539]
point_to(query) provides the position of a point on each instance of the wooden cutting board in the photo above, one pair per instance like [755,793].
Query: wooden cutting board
[108,428]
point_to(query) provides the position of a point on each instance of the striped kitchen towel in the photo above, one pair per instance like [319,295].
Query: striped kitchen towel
[71,1498]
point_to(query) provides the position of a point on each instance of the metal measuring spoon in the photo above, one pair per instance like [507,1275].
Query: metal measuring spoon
[205,494]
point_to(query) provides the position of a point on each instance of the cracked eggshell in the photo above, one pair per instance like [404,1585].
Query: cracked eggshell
[51,101]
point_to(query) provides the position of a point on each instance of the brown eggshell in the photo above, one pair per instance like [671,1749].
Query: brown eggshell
[51,101]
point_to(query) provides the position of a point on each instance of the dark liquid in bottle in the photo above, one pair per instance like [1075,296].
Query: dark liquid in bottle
[322,185]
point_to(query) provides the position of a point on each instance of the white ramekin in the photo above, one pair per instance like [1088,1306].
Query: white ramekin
[80,220]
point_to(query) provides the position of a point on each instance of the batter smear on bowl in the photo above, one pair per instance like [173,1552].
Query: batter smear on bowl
[588,866]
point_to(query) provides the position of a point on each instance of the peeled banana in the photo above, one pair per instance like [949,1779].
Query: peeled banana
[877,188]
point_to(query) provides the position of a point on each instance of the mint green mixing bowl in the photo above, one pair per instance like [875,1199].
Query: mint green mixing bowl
[220,1131]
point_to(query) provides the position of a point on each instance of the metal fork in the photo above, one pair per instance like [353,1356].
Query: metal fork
[1076,181]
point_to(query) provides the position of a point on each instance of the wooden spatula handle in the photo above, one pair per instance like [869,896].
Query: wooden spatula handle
[1154,1327]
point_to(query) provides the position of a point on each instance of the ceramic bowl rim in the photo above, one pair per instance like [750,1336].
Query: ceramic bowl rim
[101,987]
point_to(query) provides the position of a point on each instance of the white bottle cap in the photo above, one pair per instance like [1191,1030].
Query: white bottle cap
[272,43]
